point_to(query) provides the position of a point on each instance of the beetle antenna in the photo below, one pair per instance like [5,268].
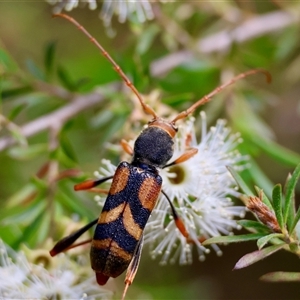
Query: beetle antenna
[208,97]
[147,109]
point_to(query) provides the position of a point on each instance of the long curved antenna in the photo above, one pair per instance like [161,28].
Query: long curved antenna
[147,109]
[208,97]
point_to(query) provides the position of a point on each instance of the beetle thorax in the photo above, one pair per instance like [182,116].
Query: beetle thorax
[154,146]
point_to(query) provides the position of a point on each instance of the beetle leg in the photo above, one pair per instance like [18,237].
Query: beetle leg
[182,158]
[178,222]
[66,243]
[88,184]
[133,266]
[126,147]
[180,225]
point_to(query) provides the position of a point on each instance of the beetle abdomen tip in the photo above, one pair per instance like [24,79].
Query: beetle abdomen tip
[101,278]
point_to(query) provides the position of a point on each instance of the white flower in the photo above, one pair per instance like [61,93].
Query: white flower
[199,190]
[124,9]
[68,5]
[21,279]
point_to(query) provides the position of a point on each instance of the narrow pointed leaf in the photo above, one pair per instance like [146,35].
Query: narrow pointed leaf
[256,256]
[295,221]
[147,38]
[17,134]
[233,238]
[264,199]
[254,226]
[264,240]
[29,152]
[294,247]
[14,92]
[43,230]
[34,69]
[7,62]
[19,197]
[279,153]
[16,110]
[278,204]
[66,79]
[289,193]
[243,186]
[67,148]
[31,233]
[281,277]
[49,57]
[261,178]
[26,215]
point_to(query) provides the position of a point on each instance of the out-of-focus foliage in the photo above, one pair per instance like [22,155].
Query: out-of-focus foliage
[63,108]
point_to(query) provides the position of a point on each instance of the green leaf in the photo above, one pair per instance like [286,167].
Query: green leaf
[35,70]
[247,191]
[66,147]
[295,221]
[233,238]
[254,226]
[15,111]
[279,153]
[289,193]
[17,91]
[21,195]
[294,247]
[73,205]
[9,234]
[63,158]
[278,204]
[31,233]
[49,57]
[146,39]
[65,79]
[177,99]
[264,240]
[256,256]
[7,62]
[43,230]
[101,118]
[260,178]
[186,77]
[265,199]
[29,152]
[17,134]
[23,215]
[40,183]
[249,123]
[287,42]
[281,277]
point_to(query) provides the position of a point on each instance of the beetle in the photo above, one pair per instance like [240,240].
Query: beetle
[135,188]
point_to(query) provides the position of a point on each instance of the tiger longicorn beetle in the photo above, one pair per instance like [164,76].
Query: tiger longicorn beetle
[118,238]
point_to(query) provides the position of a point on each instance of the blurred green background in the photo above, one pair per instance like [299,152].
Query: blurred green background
[36,48]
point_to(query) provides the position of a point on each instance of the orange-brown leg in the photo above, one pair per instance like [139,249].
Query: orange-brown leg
[133,266]
[126,147]
[179,223]
[91,183]
[184,157]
